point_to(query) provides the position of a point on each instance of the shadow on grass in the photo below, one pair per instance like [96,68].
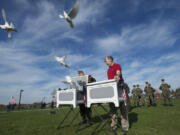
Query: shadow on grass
[133,118]
[96,119]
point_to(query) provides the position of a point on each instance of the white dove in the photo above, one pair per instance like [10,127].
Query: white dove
[68,80]
[72,14]
[61,60]
[8,27]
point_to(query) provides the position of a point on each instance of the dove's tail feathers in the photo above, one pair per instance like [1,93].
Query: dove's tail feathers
[60,16]
[67,66]
[9,34]
[71,25]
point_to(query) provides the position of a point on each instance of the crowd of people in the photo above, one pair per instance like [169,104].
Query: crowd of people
[149,93]
[114,72]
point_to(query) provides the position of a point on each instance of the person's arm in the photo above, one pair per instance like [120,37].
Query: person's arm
[153,89]
[128,91]
[91,79]
[117,78]
[145,90]
[118,72]
[141,91]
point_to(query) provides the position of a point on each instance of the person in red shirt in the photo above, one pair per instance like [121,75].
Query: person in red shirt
[115,72]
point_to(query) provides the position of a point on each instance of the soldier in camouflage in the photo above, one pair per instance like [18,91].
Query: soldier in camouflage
[143,99]
[135,96]
[149,94]
[140,95]
[165,92]
[126,87]
[153,92]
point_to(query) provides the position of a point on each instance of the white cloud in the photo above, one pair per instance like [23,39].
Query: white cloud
[91,12]
[154,35]
[168,58]
[153,70]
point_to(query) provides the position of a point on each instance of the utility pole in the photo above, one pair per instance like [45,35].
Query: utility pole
[20,98]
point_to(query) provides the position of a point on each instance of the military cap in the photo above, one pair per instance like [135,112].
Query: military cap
[162,80]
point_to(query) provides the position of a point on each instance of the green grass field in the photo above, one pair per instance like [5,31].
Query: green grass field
[158,120]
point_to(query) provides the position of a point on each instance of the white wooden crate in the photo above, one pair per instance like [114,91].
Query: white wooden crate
[69,97]
[103,92]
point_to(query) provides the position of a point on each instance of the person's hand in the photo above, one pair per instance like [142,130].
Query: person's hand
[118,72]
[117,78]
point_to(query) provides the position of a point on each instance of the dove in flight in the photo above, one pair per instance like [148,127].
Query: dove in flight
[71,15]
[68,80]
[61,60]
[8,27]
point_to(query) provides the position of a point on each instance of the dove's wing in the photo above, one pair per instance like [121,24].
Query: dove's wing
[12,25]
[65,82]
[9,34]
[60,16]
[68,79]
[4,15]
[74,10]
[57,59]
[63,58]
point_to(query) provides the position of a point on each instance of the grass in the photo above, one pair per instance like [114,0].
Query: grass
[158,120]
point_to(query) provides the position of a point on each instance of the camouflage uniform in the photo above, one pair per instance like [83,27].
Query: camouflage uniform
[126,87]
[165,92]
[153,91]
[149,94]
[123,110]
[140,96]
[135,96]
[114,116]
[142,99]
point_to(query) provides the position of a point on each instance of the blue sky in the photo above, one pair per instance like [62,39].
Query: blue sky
[142,36]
